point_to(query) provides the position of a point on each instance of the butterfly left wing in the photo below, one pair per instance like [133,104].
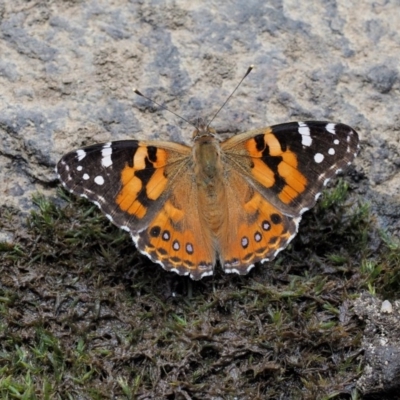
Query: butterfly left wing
[148,189]
[276,174]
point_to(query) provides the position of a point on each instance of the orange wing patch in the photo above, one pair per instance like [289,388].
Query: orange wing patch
[276,167]
[143,181]
[260,232]
[265,232]
[176,238]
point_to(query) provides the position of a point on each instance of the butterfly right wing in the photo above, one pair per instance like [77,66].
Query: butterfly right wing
[289,164]
[275,174]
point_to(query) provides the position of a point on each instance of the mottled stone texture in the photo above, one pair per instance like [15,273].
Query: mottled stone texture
[381,343]
[67,70]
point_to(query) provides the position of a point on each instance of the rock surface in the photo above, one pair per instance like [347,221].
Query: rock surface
[68,69]
[381,376]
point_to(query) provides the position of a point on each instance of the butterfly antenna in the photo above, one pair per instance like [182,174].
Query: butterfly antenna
[223,105]
[162,106]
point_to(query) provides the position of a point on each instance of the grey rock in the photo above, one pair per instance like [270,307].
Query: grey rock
[383,78]
[381,376]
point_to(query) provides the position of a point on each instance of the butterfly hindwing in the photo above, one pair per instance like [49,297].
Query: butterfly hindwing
[261,230]
[177,237]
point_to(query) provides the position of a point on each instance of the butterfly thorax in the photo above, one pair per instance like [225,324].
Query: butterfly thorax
[206,153]
[209,179]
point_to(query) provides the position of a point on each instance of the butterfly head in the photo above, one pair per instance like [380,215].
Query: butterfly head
[203,131]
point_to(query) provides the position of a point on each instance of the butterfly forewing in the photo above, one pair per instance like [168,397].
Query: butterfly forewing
[290,163]
[125,179]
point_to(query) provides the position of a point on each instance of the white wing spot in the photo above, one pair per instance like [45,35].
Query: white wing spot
[266,226]
[318,158]
[331,128]
[336,142]
[251,266]
[81,154]
[85,177]
[297,222]
[166,235]
[304,131]
[331,151]
[207,273]
[306,140]
[277,252]
[106,154]
[135,238]
[79,168]
[232,271]
[326,181]
[99,180]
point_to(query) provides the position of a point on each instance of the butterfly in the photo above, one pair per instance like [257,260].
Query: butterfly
[237,202]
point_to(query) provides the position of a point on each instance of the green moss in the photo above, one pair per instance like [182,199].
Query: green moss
[83,314]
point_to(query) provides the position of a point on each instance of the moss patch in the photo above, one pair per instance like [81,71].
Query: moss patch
[83,315]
